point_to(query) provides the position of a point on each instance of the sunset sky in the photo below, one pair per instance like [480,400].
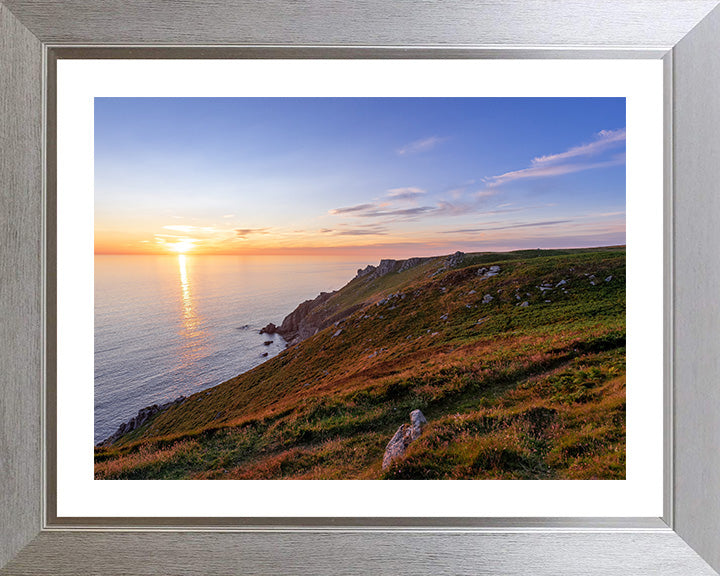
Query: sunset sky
[382,177]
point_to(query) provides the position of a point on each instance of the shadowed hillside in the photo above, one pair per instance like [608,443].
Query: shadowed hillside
[516,360]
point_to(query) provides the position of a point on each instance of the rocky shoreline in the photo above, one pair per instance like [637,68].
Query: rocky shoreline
[142,417]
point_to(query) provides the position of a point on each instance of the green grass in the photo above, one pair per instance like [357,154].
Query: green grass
[528,392]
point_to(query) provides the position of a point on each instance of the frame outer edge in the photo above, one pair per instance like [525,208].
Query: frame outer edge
[20,284]
[20,233]
[696,113]
[630,23]
[320,554]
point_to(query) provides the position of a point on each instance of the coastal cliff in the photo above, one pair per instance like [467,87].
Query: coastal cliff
[306,320]
[315,315]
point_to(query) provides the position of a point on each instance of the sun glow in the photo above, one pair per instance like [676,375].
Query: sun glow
[181,246]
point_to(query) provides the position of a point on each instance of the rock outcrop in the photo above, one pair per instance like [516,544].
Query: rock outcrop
[403,437]
[485,273]
[411,263]
[387,266]
[269,329]
[143,416]
[454,260]
[362,272]
[308,319]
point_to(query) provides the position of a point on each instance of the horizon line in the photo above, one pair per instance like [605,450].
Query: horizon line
[334,251]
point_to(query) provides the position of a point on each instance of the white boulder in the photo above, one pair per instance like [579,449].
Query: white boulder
[403,437]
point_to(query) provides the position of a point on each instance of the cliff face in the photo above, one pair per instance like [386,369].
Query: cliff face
[305,321]
[315,315]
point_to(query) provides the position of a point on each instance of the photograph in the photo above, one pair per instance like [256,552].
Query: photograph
[359,288]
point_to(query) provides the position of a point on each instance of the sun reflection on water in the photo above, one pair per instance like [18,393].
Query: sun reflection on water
[187,300]
[193,335]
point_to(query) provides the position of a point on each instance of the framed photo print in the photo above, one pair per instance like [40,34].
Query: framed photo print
[268,309]
[378,294]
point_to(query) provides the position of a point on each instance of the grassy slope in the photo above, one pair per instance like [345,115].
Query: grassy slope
[527,392]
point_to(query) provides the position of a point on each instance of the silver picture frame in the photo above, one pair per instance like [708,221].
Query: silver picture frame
[685,34]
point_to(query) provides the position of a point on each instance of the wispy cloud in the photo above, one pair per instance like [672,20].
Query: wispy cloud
[355,230]
[604,140]
[388,212]
[506,227]
[422,145]
[455,208]
[486,193]
[352,209]
[404,212]
[243,233]
[547,171]
[168,239]
[379,211]
[408,193]
[607,214]
[183,228]
[565,162]
[361,232]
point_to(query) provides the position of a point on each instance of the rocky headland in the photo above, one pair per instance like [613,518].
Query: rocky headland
[315,315]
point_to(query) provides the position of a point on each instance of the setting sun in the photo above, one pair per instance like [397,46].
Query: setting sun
[181,246]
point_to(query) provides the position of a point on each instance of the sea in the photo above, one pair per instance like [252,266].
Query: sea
[167,326]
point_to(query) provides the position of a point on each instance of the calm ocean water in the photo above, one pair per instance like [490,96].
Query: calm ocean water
[172,325]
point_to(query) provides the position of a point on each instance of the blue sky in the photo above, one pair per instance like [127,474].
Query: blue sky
[388,176]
